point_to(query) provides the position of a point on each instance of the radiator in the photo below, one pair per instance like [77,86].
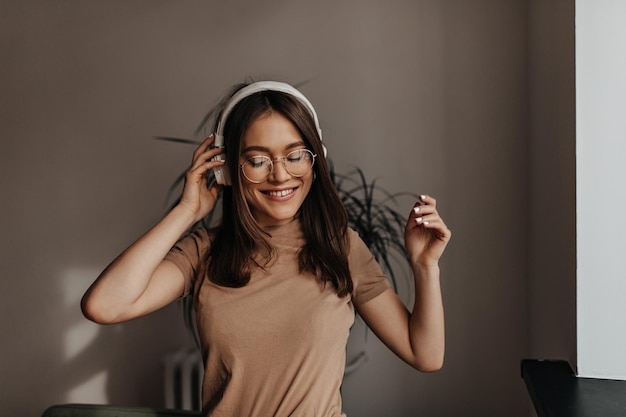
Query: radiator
[183,380]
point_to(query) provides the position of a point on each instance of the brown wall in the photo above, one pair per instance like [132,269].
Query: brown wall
[428,96]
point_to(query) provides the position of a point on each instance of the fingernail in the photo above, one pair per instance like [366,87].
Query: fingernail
[416,209]
[426,223]
[422,197]
[419,220]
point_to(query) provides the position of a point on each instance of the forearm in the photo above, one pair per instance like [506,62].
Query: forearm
[426,323]
[128,277]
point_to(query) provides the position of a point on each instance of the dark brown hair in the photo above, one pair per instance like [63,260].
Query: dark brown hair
[239,240]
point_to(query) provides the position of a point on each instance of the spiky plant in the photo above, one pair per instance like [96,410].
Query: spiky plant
[372,212]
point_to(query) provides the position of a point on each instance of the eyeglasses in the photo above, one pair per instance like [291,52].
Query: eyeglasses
[298,163]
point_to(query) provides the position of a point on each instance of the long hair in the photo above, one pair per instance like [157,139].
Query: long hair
[239,240]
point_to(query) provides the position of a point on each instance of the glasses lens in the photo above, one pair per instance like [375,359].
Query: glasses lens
[299,163]
[257,168]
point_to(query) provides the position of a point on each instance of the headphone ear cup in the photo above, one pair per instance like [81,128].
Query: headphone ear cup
[221,173]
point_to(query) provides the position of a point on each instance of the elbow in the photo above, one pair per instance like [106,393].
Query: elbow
[428,364]
[89,311]
[429,367]
[95,313]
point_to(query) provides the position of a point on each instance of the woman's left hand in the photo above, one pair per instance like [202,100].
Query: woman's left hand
[426,235]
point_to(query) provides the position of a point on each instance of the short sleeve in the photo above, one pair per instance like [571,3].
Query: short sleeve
[187,255]
[367,277]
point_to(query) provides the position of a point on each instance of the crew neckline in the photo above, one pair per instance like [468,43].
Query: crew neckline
[292,228]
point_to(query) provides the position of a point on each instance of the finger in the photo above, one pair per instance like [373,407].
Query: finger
[422,210]
[198,173]
[437,227]
[203,146]
[429,219]
[426,200]
[206,157]
[421,221]
[429,222]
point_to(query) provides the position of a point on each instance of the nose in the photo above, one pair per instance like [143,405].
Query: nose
[279,172]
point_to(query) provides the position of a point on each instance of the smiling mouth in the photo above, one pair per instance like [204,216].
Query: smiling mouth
[281,193]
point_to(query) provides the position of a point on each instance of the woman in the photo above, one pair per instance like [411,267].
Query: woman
[275,285]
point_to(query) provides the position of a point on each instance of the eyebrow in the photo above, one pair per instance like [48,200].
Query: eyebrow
[267,150]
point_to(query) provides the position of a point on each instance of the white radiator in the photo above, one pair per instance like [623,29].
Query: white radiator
[183,380]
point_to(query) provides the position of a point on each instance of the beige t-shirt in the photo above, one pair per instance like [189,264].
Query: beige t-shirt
[277,346]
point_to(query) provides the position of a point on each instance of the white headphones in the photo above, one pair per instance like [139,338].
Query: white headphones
[221,173]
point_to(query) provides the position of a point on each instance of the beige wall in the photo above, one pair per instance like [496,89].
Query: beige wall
[428,96]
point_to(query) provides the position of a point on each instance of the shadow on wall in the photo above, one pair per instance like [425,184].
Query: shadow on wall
[119,364]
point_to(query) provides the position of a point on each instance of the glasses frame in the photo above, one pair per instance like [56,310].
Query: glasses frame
[283,159]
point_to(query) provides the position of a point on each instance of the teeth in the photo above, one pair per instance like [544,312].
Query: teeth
[280,193]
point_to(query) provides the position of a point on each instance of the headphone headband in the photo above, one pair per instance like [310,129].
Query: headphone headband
[255,88]
[221,173]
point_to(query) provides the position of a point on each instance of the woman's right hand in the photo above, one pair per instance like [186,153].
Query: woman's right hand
[197,197]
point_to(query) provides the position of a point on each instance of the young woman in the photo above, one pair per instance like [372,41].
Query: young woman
[276,284]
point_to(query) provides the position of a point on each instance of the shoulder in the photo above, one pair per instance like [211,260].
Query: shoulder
[200,234]
[358,248]
[367,276]
[194,244]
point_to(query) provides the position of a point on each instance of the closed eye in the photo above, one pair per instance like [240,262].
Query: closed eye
[297,156]
[258,161]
